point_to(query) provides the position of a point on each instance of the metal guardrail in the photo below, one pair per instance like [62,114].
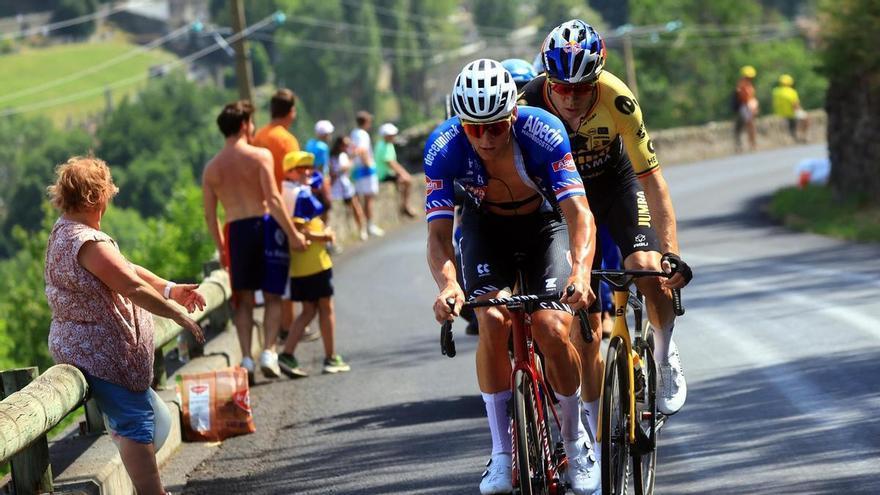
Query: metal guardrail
[32,405]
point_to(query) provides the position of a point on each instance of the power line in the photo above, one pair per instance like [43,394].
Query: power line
[430,20]
[345,47]
[46,28]
[314,21]
[91,70]
[131,80]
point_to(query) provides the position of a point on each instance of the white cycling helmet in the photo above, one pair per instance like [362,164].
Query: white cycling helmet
[483,92]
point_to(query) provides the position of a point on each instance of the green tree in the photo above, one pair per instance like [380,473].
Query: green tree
[35,159]
[554,12]
[852,64]
[145,184]
[23,305]
[686,76]
[171,110]
[343,62]
[261,66]
[495,14]
[69,9]
[173,245]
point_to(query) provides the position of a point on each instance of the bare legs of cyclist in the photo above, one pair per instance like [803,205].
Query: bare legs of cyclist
[671,384]
[550,329]
[592,369]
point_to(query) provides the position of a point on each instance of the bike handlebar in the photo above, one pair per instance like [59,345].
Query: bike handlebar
[620,279]
[447,340]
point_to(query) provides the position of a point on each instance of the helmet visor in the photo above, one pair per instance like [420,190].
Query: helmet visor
[567,89]
[495,129]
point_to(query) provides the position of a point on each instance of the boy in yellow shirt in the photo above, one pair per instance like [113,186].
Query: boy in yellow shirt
[311,271]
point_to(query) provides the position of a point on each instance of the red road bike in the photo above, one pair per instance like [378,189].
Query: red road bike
[538,456]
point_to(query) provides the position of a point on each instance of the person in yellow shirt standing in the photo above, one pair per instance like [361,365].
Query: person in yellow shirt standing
[311,271]
[787,105]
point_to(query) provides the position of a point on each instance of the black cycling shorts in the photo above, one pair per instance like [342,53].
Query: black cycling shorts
[628,219]
[492,244]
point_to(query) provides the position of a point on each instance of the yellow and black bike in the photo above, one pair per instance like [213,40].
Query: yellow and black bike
[629,422]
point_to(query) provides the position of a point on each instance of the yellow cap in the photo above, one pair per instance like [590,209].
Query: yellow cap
[786,80]
[296,159]
[748,71]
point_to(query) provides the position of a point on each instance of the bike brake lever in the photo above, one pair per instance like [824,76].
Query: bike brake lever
[586,331]
[447,341]
[676,302]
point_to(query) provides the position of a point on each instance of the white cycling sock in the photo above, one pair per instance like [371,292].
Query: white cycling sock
[570,417]
[662,344]
[499,421]
[592,410]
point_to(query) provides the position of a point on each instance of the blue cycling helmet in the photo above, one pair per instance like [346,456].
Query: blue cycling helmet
[573,52]
[522,71]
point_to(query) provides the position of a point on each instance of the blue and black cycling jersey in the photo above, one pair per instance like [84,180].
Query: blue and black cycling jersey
[542,156]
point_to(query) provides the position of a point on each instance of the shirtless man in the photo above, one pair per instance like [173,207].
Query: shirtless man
[253,245]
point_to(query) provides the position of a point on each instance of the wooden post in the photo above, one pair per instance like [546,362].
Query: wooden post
[31,471]
[243,71]
[94,423]
[160,376]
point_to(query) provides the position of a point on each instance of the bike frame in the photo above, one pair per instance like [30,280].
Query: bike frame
[621,329]
[524,360]
[623,298]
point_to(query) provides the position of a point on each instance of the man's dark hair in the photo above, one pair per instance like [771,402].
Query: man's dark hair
[233,115]
[281,103]
[363,117]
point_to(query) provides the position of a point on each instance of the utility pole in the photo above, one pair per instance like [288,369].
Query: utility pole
[630,65]
[243,72]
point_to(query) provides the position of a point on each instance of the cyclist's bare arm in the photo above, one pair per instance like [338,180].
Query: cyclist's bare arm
[441,255]
[662,212]
[663,219]
[209,203]
[581,235]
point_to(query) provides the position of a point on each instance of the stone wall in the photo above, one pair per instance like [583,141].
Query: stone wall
[679,145]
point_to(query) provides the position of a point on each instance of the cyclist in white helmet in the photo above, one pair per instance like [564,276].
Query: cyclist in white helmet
[627,193]
[515,166]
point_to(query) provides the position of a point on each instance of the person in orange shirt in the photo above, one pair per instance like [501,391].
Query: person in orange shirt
[747,110]
[275,135]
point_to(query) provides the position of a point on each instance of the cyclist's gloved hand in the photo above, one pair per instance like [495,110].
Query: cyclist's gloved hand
[681,271]
[442,311]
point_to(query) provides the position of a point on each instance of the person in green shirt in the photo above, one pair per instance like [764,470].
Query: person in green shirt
[389,169]
[787,104]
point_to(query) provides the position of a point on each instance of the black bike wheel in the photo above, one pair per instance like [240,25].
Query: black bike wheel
[530,459]
[615,418]
[645,465]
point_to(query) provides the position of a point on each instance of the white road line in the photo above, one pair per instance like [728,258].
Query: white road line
[830,419]
[788,267]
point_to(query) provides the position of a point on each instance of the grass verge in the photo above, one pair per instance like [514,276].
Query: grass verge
[43,67]
[815,209]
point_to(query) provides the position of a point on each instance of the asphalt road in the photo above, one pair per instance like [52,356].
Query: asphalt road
[780,345]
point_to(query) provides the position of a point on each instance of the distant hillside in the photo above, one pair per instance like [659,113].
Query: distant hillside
[34,68]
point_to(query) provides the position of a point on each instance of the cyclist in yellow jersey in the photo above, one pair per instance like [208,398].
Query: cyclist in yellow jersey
[625,188]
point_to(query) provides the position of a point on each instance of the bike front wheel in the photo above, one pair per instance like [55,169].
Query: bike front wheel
[645,464]
[531,462]
[615,420]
